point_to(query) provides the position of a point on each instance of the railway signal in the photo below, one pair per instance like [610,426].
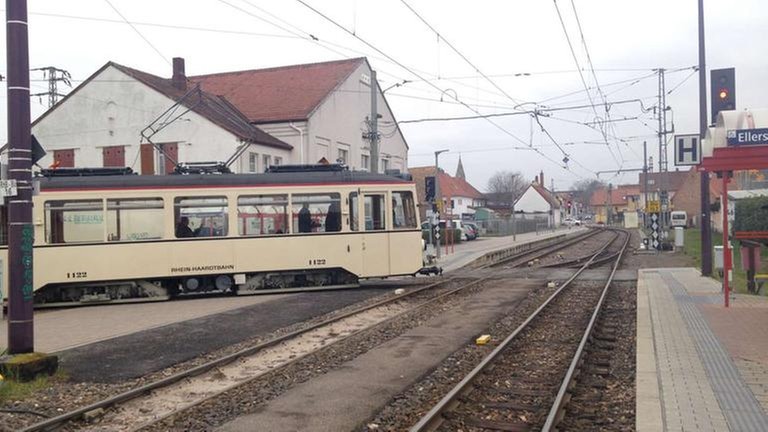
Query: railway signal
[723,88]
[429,188]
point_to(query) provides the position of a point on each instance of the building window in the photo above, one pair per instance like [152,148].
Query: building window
[135,219]
[365,162]
[253,162]
[278,161]
[384,165]
[343,156]
[267,162]
[64,158]
[459,201]
[200,216]
[262,215]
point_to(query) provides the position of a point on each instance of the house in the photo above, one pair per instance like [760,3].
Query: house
[292,114]
[538,201]
[688,195]
[671,181]
[459,197]
[610,204]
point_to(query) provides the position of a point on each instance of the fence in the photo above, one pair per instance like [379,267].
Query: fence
[505,227]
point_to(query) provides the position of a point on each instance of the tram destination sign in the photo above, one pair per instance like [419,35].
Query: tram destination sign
[746,137]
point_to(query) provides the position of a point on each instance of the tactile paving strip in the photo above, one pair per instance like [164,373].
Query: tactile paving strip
[740,407]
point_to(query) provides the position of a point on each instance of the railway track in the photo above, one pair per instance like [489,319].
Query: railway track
[151,403]
[523,384]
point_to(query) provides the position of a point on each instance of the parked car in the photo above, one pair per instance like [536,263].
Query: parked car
[474,227]
[571,222]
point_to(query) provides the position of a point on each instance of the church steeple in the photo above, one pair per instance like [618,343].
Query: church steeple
[460,170]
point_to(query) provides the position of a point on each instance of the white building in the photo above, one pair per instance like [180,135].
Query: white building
[292,114]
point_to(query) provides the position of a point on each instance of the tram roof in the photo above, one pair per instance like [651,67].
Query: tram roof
[216,180]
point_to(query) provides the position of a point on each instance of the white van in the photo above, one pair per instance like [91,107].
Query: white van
[679,218]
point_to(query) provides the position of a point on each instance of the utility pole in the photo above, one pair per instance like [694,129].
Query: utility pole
[552,192]
[54,75]
[706,233]
[663,165]
[374,134]
[439,200]
[20,228]
[645,183]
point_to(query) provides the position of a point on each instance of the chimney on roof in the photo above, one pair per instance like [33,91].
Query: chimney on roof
[179,78]
[541,177]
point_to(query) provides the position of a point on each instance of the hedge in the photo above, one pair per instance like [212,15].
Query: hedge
[751,214]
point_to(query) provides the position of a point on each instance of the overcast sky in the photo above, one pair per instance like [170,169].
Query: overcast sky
[519,45]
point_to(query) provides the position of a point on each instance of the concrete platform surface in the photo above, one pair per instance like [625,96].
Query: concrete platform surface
[700,366]
[468,251]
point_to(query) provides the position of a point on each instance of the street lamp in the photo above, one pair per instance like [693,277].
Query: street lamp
[438,197]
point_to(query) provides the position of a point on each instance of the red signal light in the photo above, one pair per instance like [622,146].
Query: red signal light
[723,93]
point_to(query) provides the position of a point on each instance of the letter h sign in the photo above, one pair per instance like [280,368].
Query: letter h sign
[687,150]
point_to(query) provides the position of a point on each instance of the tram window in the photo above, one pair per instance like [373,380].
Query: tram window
[200,216]
[74,221]
[134,219]
[316,212]
[375,213]
[262,215]
[353,211]
[403,210]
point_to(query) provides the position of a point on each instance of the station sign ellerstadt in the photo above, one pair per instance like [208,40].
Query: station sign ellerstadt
[747,137]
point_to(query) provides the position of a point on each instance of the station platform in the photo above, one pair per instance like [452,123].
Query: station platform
[700,366]
[468,251]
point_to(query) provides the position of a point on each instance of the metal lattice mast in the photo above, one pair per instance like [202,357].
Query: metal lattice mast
[53,75]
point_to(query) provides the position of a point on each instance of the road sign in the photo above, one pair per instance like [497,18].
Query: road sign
[745,137]
[655,233]
[687,149]
[653,207]
[7,188]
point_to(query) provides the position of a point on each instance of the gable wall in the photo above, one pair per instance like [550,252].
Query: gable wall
[113,108]
[339,122]
[532,202]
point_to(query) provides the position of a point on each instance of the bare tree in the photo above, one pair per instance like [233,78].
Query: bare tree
[505,187]
[583,190]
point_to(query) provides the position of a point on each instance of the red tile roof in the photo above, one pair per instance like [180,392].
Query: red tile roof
[619,195]
[213,107]
[449,186]
[544,192]
[282,93]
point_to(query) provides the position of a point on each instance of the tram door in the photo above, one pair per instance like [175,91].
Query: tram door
[375,245]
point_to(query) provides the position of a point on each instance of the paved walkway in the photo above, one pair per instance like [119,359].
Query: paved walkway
[466,252]
[700,366]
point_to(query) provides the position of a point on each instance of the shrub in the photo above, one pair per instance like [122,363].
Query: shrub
[751,214]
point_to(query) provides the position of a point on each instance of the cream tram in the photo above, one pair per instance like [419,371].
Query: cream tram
[121,238]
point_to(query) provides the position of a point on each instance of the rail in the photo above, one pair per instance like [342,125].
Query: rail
[432,419]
